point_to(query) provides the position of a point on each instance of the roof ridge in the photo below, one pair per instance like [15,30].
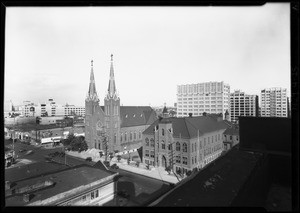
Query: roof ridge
[186,127]
[195,127]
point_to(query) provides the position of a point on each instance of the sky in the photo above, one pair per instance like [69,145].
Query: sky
[48,51]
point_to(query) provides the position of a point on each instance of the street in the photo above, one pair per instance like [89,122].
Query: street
[139,189]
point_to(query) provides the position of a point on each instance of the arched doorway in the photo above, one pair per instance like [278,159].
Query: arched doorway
[163,161]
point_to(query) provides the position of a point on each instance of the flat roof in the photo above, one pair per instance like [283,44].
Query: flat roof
[217,184]
[64,181]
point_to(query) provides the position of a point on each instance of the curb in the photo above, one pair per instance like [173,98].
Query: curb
[146,176]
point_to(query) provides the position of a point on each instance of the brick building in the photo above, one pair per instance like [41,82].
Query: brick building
[186,143]
[122,124]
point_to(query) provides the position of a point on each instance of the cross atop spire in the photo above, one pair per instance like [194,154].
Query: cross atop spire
[112,85]
[92,94]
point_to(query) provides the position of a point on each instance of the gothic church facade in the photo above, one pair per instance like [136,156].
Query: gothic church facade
[123,125]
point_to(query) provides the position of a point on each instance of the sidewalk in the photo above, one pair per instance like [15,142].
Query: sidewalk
[158,173]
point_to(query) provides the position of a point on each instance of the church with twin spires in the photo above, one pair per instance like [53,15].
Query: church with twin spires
[123,125]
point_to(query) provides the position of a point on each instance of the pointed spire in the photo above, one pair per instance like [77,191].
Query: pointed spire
[111,85]
[92,94]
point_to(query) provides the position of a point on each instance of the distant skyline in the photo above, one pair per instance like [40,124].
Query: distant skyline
[48,51]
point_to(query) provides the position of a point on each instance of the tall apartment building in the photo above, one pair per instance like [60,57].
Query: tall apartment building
[242,104]
[273,102]
[209,97]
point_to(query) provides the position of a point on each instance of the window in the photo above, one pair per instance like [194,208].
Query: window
[92,195]
[97,193]
[130,136]
[125,139]
[147,153]
[192,160]
[115,138]
[184,147]
[152,142]
[178,160]
[177,146]
[230,137]
[147,141]
[134,135]
[140,135]
[162,132]
[163,145]
[84,198]
[152,154]
[184,160]
[121,137]
[169,146]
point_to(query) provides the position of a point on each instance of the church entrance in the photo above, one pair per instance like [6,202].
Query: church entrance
[163,161]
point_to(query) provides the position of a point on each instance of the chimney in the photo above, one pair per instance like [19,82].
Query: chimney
[26,198]
[190,114]
[7,185]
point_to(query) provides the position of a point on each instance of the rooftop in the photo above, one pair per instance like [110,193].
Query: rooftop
[187,127]
[136,115]
[63,182]
[218,184]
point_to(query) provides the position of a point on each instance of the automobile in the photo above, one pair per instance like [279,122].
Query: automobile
[88,159]
[22,150]
[29,152]
[114,166]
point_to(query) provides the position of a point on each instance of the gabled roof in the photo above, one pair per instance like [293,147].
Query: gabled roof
[187,127]
[136,115]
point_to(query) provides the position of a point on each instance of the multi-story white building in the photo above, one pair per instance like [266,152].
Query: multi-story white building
[273,102]
[50,108]
[242,104]
[209,97]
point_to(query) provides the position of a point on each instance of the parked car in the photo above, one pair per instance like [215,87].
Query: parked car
[114,166]
[88,159]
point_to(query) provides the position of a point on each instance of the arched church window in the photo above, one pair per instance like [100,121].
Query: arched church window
[125,139]
[162,131]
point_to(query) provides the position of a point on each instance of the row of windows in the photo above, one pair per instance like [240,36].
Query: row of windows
[183,147]
[132,136]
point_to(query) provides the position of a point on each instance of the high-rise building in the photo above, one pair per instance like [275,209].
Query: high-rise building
[209,97]
[273,102]
[242,104]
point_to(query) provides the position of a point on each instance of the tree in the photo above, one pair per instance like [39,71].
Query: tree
[148,166]
[137,164]
[69,139]
[168,169]
[111,157]
[101,154]
[118,158]
[128,161]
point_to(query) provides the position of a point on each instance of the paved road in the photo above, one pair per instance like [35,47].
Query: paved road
[140,189]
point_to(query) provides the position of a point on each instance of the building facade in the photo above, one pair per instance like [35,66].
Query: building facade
[91,187]
[184,143]
[274,102]
[121,125]
[50,108]
[242,104]
[231,137]
[209,97]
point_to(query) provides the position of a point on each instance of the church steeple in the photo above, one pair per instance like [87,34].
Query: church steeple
[112,85]
[92,94]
